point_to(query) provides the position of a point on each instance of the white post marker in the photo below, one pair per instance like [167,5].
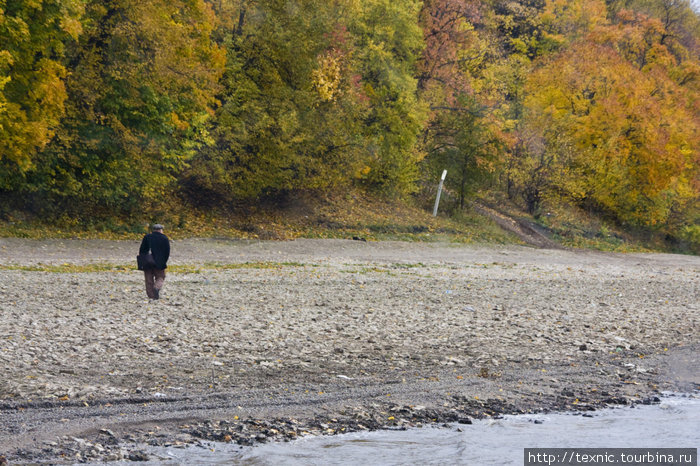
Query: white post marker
[437,199]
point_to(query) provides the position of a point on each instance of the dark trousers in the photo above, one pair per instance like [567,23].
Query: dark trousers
[154,281]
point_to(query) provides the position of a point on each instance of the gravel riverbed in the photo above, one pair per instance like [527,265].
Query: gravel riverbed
[258,341]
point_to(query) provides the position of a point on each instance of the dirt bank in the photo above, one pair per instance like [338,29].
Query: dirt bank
[325,336]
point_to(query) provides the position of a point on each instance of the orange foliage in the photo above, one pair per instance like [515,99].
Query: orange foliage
[625,131]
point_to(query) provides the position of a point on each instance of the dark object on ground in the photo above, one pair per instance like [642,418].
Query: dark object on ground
[138,456]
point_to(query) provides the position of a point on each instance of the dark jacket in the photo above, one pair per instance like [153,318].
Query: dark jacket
[159,245]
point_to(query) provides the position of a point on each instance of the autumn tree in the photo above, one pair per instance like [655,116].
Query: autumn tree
[316,94]
[388,43]
[551,26]
[140,92]
[453,72]
[33,37]
[620,135]
[287,115]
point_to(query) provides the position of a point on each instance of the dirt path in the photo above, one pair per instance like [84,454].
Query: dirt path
[526,230]
[326,336]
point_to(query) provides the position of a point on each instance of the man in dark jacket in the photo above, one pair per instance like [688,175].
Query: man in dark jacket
[159,245]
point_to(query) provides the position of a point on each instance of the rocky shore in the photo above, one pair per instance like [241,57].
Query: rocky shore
[270,341]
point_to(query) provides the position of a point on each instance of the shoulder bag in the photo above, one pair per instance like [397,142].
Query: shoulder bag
[146,261]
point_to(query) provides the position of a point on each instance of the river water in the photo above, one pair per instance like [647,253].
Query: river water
[673,423]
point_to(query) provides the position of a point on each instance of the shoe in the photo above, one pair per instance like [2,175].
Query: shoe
[156,293]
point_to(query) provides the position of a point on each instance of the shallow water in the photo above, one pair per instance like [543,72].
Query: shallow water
[674,423]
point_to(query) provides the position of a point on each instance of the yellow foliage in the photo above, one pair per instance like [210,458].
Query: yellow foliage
[178,123]
[363,171]
[326,78]
[571,17]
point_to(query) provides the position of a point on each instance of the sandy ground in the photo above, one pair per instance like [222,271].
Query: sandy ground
[326,336]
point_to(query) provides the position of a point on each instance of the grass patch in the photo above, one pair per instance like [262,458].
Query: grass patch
[572,227]
[251,265]
[69,268]
[401,265]
[177,268]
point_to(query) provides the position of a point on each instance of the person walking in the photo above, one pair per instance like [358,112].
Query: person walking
[159,245]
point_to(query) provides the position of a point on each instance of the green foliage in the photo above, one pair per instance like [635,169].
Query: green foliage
[388,43]
[288,119]
[464,145]
[316,95]
[522,29]
[142,78]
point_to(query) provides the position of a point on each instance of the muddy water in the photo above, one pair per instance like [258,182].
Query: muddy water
[675,422]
